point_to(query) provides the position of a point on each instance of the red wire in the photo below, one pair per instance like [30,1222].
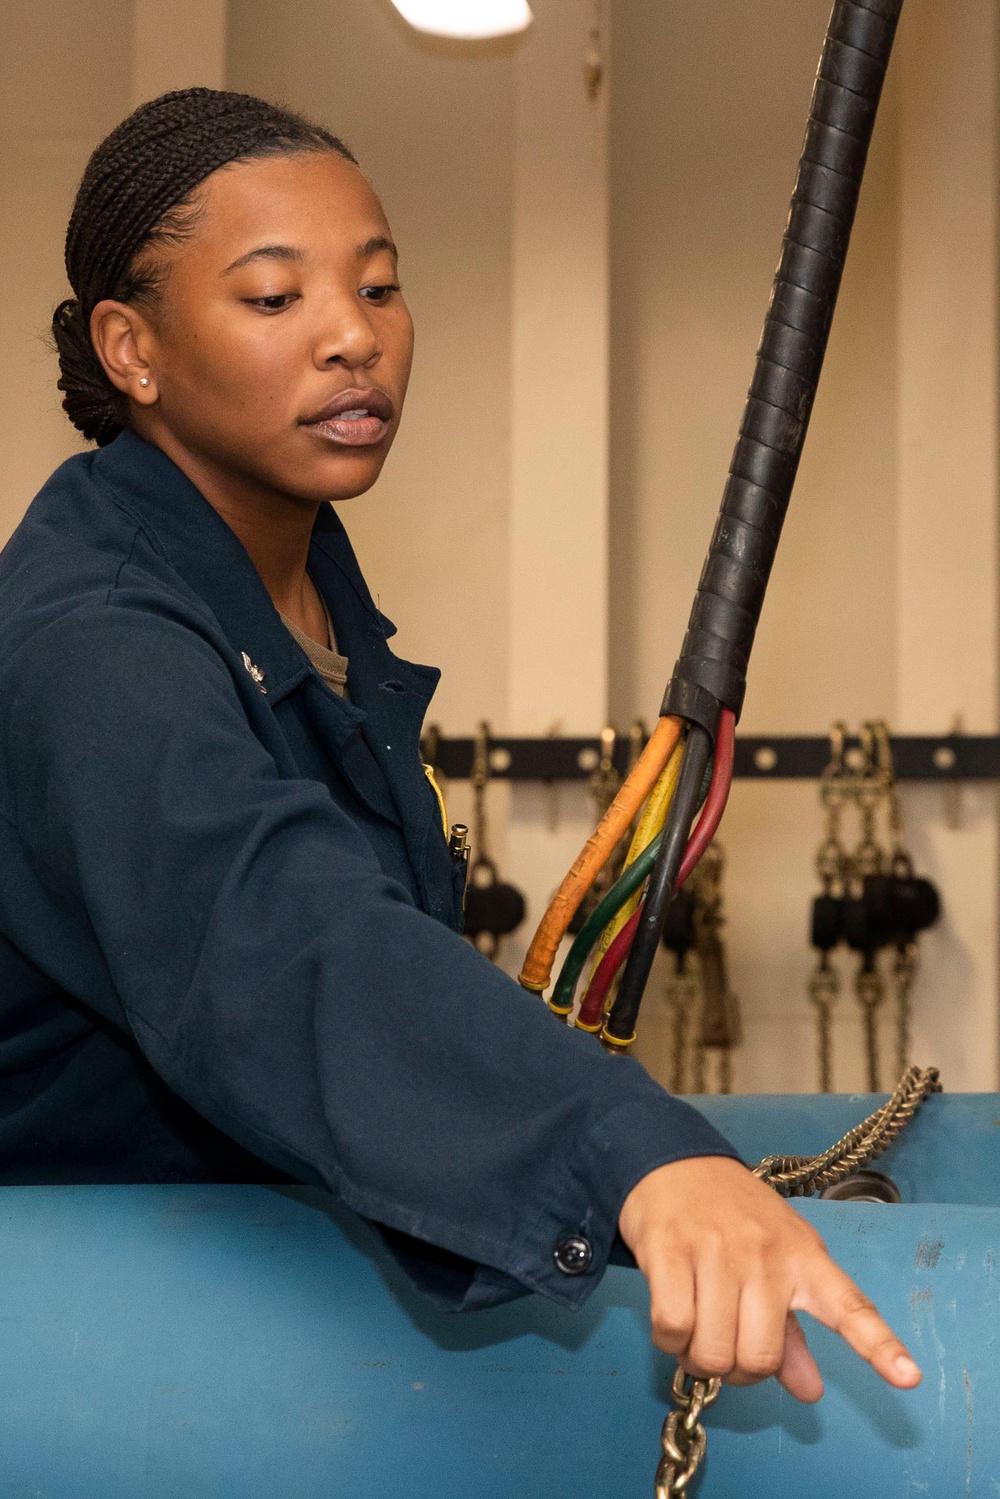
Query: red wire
[718,795]
[592,1007]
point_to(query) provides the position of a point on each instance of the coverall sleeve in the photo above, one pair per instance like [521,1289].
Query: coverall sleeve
[237,923]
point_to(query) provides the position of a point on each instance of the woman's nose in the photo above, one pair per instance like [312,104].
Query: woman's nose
[347,335]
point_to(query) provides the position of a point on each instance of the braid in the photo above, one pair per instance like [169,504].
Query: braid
[136,192]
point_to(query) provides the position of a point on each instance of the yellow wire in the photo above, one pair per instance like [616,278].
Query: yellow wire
[653,817]
[655,812]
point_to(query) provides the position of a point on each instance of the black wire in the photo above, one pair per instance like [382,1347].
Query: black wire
[660,891]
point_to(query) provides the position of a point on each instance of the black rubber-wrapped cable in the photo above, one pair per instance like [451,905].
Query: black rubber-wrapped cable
[711,671]
[714,656]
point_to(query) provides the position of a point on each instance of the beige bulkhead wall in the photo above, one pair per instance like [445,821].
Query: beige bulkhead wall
[947,516]
[68,73]
[64,82]
[708,105]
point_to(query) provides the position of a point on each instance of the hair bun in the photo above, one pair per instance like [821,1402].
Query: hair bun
[90,401]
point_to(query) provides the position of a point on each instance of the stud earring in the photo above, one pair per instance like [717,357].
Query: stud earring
[144,381]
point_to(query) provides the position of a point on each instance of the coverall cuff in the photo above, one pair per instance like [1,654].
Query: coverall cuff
[624,1145]
[564,1250]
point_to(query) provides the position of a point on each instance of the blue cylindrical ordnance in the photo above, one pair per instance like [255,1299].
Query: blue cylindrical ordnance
[246,1343]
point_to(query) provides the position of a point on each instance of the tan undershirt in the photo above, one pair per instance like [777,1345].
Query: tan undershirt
[331,666]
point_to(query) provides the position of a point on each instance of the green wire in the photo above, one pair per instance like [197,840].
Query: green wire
[605,910]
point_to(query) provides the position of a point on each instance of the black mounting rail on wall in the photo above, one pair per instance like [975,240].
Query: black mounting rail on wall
[949,757]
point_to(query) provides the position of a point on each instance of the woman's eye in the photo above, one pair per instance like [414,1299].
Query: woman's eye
[379,293]
[277,303]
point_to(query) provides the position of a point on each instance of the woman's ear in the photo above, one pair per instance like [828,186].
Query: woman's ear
[120,333]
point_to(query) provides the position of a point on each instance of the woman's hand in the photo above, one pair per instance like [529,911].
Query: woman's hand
[729,1263]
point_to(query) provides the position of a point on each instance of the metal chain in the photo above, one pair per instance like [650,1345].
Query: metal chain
[905,961]
[684,1438]
[682,991]
[868,789]
[872,786]
[904,971]
[801,1175]
[831,856]
[824,987]
[720,1027]
[887,769]
[832,868]
[870,992]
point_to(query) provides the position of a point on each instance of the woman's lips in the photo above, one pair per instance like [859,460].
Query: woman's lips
[351,431]
[354,418]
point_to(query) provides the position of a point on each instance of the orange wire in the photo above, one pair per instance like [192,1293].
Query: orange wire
[537,970]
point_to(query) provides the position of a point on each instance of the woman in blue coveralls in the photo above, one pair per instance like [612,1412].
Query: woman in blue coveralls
[229,922]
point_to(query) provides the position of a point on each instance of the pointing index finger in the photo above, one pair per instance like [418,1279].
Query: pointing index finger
[832,1297]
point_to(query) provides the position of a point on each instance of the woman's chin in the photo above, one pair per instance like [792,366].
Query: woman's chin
[346,472]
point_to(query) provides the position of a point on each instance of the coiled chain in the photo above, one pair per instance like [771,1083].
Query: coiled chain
[802,1175]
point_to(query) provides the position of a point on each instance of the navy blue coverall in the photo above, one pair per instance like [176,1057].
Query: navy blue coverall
[229,921]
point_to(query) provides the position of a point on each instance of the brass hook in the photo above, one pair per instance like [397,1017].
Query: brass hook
[480,780]
[638,734]
[866,735]
[838,736]
[609,738]
[884,747]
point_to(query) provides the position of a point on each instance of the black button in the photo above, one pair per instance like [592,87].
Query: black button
[573,1255]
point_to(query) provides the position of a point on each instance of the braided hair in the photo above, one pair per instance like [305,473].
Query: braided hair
[137,192]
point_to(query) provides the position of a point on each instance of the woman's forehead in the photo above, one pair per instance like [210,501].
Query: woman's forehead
[319,197]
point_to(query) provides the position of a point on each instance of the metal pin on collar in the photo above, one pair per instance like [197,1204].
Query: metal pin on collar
[255,672]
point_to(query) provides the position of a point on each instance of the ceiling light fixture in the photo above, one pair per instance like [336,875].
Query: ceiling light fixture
[470,20]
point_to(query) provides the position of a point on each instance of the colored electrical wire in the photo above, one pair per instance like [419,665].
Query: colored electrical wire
[619,1028]
[650,824]
[591,1016]
[606,971]
[617,948]
[655,811]
[718,796]
[606,916]
[671,869]
[537,969]
[627,884]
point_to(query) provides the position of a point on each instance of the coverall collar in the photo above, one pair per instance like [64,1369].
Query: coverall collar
[213,562]
[388,696]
